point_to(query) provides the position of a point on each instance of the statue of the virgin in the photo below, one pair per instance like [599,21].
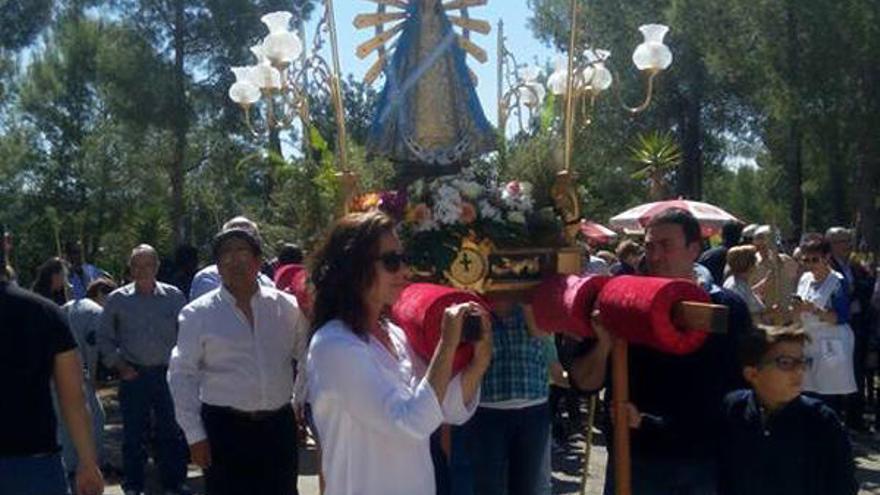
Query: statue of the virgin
[429,119]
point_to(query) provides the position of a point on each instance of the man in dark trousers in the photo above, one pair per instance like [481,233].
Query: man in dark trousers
[675,401]
[232,376]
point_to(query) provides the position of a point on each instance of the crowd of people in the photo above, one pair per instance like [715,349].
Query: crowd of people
[223,366]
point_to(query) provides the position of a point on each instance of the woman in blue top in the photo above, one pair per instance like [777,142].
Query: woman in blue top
[823,305]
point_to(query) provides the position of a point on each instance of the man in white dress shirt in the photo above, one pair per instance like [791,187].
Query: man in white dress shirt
[232,376]
[208,278]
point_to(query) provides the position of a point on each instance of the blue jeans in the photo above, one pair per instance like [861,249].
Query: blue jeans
[501,452]
[34,475]
[668,477]
[68,450]
[147,395]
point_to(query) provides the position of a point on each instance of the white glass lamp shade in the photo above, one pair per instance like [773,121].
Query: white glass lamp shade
[531,95]
[529,74]
[243,91]
[265,76]
[260,53]
[587,75]
[602,78]
[652,54]
[596,55]
[558,82]
[277,22]
[282,47]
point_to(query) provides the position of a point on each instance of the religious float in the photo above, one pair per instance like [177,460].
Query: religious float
[469,234]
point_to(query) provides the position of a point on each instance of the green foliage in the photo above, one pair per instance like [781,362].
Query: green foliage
[657,155]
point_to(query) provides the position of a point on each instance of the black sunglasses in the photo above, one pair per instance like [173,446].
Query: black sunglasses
[790,363]
[392,261]
[812,259]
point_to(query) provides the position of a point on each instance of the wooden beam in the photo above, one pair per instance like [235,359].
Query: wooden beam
[372,20]
[712,318]
[462,4]
[472,49]
[476,25]
[375,42]
[400,4]
[375,70]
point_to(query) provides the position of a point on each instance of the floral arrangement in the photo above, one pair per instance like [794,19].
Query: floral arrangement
[436,215]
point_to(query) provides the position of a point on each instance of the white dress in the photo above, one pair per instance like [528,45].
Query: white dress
[831,345]
[375,413]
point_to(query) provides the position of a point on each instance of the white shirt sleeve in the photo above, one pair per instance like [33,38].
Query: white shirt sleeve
[300,353]
[184,377]
[455,411]
[346,372]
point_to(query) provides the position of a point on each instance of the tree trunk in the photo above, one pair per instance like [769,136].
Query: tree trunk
[181,127]
[690,177]
[836,172]
[794,171]
[868,164]
[794,134]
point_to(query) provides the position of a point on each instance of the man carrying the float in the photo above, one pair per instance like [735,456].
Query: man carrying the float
[675,401]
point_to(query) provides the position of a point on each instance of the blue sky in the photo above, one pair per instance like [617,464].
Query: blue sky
[520,42]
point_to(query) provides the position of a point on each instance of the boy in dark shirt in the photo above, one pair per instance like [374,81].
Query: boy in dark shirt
[776,440]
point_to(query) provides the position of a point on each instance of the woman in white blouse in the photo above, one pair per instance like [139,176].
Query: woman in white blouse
[741,262]
[823,304]
[374,401]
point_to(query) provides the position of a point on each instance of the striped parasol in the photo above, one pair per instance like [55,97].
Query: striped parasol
[711,217]
[596,232]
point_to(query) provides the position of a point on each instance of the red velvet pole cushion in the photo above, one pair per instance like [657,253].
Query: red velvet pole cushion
[299,287]
[419,311]
[284,274]
[564,303]
[294,279]
[639,309]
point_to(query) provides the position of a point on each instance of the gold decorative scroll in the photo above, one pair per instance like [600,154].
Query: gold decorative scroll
[473,50]
[375,70]
[377,41]
[476,25]
[400,4]
[371,20]
[462,4]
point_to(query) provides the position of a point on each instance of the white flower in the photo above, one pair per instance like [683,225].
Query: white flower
[517,196]
[426,225]
[471,190]
[447,205]
[417,189]
[489,211]
[516,217]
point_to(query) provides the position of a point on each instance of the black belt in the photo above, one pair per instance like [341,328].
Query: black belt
[249,415]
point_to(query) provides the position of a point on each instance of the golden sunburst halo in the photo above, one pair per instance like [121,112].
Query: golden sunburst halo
[388,22]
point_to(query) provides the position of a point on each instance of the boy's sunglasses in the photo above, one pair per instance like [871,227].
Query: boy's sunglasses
[392,261]
[790,363]
[812,259]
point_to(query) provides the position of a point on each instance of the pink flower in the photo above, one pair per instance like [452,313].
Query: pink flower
[468,213]
[418,214]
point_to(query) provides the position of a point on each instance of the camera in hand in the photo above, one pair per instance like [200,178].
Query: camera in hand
[471,328]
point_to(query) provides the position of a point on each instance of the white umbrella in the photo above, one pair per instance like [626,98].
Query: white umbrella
[711,217]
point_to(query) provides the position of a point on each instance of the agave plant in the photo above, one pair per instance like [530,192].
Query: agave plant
[657,155]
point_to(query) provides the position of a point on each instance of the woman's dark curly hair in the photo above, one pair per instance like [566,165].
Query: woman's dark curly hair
[342,270]
[43,283]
